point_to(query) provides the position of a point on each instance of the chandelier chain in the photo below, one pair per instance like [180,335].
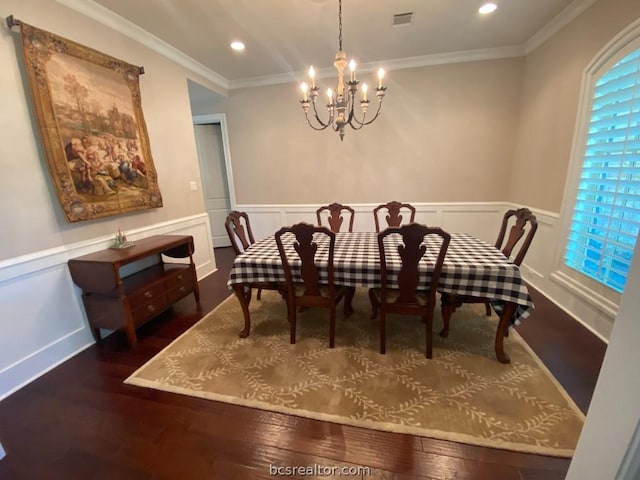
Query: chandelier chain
[340,24]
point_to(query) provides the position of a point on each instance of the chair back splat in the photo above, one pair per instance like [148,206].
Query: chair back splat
[523,216]
[393,217]
[239,231]
[307,249]
[335,216]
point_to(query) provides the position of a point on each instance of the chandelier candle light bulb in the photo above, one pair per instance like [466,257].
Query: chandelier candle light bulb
[352,69]
[312,76]
[380,77]
[345,98]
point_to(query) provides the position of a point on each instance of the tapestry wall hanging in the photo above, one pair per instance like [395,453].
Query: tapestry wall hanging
[88,109]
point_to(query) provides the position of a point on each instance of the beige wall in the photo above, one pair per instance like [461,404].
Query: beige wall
[30,219]
[460,132]
[446,134]
[550,96]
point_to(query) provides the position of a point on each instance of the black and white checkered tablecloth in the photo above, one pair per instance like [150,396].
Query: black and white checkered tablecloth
[471,266]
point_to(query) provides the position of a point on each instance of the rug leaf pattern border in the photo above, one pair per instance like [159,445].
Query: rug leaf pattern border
[463,394]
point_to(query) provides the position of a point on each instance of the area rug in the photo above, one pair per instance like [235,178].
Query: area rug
[463,394]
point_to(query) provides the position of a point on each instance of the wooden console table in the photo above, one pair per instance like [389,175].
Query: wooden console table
[114,302]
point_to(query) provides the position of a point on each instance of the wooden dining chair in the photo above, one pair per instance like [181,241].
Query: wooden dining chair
[523,225]
[410,298]
[393,217]
[334,213]
[240,235]
[298,249]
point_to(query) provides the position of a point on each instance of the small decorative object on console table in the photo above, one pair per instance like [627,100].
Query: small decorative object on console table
[113,301]
[120,241]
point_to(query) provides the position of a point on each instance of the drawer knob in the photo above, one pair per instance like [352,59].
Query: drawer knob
[151,308]
[183,289]
[180,277]
[148,294]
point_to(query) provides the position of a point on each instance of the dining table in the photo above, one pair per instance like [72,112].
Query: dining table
[472,267]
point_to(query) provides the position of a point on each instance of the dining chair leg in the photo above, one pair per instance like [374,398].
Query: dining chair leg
[332,327]
[487,308]
[447,311]
[348,300]
[428,319]
[259,295]
[292,322]
[383,332]
[374,303]
[243,293]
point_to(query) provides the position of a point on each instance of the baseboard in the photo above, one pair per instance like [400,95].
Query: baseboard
[536,284]
[36,364]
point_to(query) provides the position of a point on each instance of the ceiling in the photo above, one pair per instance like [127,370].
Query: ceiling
[284,37]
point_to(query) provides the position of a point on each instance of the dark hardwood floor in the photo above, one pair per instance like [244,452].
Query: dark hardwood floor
[80,421]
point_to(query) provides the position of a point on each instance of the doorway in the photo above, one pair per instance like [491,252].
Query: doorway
[215,172]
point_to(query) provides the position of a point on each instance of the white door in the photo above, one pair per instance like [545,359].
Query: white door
[214,180]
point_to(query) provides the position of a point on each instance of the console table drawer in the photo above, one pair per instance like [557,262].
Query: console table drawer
[178,278]
[176,294]
[142,313]
[146,295]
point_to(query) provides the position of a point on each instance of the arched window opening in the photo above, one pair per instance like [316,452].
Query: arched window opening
[606,215]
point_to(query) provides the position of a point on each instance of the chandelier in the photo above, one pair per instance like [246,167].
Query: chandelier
[341,102]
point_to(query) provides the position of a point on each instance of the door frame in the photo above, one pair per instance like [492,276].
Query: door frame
[221,119]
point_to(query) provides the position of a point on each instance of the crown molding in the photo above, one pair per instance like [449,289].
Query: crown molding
[278,78]
[97,12]
[103,15]
[394,64]
[450,57]
[570,12]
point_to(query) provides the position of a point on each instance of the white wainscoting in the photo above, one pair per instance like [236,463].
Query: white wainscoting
[43,320]
[482,220]
[479,219]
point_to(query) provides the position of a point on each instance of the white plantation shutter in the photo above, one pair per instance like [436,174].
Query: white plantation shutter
[606,217]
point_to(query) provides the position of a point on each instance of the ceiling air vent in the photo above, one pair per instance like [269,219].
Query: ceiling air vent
[400,19]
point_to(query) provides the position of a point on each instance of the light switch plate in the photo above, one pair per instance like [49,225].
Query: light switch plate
[193,185]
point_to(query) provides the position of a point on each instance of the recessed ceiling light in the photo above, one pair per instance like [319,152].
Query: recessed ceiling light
[487,8]
[238,46]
